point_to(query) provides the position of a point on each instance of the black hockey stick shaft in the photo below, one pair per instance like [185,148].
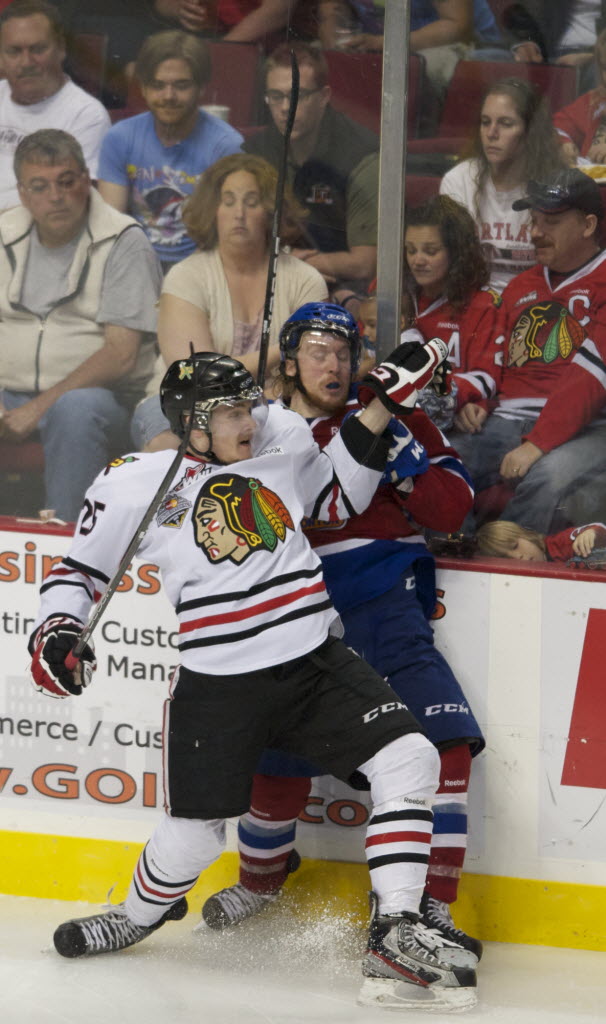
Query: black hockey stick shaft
[274,250]
[74,656]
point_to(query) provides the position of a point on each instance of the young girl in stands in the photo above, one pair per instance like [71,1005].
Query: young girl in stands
[447,297]
[514,142]
[505,539]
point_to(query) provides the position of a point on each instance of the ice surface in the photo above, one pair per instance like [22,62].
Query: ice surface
[278,968]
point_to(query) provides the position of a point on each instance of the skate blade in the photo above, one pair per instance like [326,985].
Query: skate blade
[401,995]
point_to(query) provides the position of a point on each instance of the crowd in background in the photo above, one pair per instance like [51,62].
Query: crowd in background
[135,219]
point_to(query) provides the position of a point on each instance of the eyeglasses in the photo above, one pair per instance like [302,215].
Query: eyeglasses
[65,183]
[275,98]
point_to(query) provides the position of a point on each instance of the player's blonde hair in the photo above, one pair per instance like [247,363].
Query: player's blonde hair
[500,538]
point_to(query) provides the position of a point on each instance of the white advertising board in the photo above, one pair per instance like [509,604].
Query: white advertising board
[528,652]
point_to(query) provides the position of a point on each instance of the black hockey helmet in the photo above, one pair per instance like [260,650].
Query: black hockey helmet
[320,316]
[216,379]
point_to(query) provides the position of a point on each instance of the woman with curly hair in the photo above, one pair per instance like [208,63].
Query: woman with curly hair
[514,142]
[446,296]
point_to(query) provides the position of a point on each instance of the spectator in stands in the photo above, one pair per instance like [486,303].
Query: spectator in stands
[442,31]
[581,125]
[446,278]
[126,24]
[514,142]
[78,285]
[547,436]
[503,539]
[556,32]
[36,92]
[333,170]
[215,298]
[151,163]
[238,21]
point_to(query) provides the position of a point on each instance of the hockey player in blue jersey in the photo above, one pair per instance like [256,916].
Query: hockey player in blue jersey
[259,666]
[381,578]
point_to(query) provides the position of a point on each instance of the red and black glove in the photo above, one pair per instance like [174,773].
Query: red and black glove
[398,379]
[49,647]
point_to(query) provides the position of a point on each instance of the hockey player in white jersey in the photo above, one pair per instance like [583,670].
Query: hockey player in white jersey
[259,667]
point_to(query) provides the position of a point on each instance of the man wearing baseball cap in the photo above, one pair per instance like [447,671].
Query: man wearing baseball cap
[546,437]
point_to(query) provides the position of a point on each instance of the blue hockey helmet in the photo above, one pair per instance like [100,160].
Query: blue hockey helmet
[320,316]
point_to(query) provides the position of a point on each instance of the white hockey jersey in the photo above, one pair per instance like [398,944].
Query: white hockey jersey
[247,587]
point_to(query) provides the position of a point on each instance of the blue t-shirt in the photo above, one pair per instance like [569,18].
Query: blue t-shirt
[160,178]
[423,12]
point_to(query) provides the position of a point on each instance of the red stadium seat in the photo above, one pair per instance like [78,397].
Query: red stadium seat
[356,83]
[87,55]
[420,187]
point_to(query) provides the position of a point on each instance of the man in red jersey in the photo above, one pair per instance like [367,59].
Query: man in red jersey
[547,435]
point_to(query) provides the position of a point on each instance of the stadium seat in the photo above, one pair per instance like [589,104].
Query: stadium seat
[21,478]
[357,90]
[469,83]
[420,187]
[87,62]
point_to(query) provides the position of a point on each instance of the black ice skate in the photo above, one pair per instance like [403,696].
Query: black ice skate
[236,903]
[437,931]
[107,932]
[400,973]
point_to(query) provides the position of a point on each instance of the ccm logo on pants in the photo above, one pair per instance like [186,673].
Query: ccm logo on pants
[394,705]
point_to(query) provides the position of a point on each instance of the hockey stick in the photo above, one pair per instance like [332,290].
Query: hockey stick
[73,657]
[275,230]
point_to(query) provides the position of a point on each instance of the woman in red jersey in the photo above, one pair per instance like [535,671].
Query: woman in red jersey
[447,295]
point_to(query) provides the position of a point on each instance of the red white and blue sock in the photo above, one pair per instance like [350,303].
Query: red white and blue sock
[266,833]
[449,843]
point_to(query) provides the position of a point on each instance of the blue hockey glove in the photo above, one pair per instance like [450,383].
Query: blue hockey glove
[406,459]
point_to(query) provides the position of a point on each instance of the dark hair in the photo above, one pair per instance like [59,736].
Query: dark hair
[200,210]
[28,8]
[48,146]
[467,267]
[174,45]
[309,54]
[542,154]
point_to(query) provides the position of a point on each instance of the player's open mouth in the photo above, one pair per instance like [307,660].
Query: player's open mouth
[334,385]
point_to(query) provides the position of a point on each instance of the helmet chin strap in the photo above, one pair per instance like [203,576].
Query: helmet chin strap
[208,455]
[299,385]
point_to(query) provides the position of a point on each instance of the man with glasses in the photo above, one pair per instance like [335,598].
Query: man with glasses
[332,168]
[36,92]
[78,286]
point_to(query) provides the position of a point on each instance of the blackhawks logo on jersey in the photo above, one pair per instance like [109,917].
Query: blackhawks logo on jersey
[234,516]
[545,331]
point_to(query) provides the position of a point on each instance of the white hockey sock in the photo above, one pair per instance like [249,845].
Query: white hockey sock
[179,849]
[403,778]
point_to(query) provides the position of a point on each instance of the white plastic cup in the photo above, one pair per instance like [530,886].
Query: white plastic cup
[217,110]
